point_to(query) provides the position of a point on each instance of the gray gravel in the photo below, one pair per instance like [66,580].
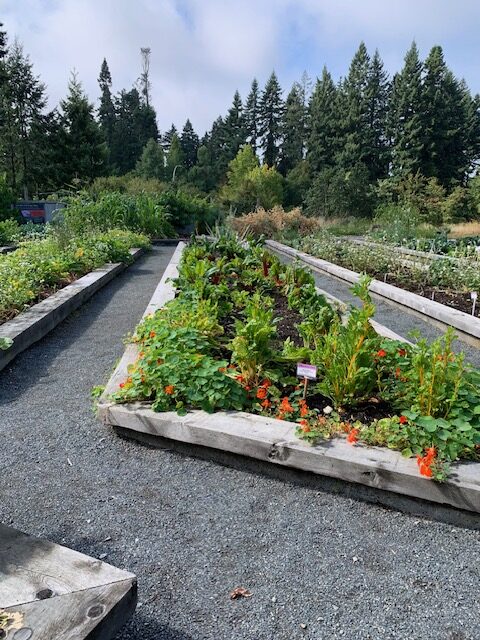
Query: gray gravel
[192,530]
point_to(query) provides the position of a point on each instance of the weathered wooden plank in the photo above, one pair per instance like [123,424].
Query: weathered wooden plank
[34,323]
[275,441]
[31,566]
[95,613]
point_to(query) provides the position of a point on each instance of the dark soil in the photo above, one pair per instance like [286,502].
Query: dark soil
[366,412]
[288,319]
[455,299]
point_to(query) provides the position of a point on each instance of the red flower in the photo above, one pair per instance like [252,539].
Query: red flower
[303,408]
[352,436]
[169,389]
[402,352]
[266,384]
[261,393]
[266,403]
[425,462]
[381,353]
[305,426]
[285,406]
[121,385]
[152,334]
[403,419]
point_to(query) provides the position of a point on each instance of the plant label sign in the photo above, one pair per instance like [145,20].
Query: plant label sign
[308,371]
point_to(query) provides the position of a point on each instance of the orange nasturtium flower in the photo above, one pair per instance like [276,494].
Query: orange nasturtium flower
[352,436]
[261,393]
[305,426]
[169,389]
[403,420]
[426,462]
[303,408]
[381,353]
[152,334]
[266,403]
[285,406]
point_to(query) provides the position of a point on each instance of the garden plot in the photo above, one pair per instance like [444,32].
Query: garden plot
[35,322]
[216,366]
[467,326]
[447,280]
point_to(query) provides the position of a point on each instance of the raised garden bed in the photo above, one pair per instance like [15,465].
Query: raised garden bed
[31,325]
[153,379]
[50,592]
[467,326]
[446,280]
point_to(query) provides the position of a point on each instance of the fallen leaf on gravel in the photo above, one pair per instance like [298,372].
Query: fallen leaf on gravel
[240,592]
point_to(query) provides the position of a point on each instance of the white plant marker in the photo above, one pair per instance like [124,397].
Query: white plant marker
[474,296]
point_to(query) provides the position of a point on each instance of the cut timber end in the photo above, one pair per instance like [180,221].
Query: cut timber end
[48,591]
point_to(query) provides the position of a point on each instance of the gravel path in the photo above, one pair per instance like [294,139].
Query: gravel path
[390,314]
[320,563]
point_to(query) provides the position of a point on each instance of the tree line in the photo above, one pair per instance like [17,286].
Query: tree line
[332,146]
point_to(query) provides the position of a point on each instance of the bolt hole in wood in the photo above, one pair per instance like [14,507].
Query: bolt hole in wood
[44,594]
[23,634]
[96,611]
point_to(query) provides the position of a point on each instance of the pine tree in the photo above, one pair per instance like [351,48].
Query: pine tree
[189,142]
[406,117]
[152,161]
[234,128]
[323,126]
[83,142]
[201,175]
[252,115]
[293,130]
[23,101]
[471,108]
[106,110]
[353,112]
[270,120]
[167,137]
[445,122]
[135,125]
[377,158]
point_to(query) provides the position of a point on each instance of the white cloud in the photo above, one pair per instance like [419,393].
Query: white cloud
[202,50]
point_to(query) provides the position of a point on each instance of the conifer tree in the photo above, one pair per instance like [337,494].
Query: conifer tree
[353,111]
[323,138]
[234,128]
[83,142]
[251,116]
[106,110]
[175,160]
[23,102]
[189,142]
[293,130]
[151,163]
[270,120]
[377,158]
[167,137]
[406,117]
[445,117]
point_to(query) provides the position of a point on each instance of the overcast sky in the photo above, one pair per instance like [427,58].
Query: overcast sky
[202,50]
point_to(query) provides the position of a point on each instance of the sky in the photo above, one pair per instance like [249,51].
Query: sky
[203,50]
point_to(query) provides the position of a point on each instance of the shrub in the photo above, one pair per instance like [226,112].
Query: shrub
[274,222]
[6,199]
[142,213]
[9,231]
